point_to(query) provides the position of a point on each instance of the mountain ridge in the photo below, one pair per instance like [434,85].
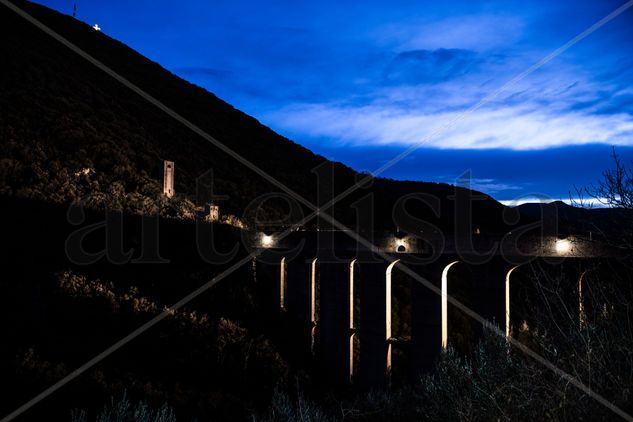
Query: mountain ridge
[65,115]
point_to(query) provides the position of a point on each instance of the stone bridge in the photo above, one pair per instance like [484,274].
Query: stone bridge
[363,318]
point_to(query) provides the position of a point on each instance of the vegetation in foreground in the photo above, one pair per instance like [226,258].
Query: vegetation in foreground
[499,382]
[494,382]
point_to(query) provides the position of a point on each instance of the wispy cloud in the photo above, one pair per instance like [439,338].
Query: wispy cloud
[487,185]
[479,32]
[431,66]
[518,127]
[562,105]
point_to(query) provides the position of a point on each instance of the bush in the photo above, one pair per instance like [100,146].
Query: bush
[123,410]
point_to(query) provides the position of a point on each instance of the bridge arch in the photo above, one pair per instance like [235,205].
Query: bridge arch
[508,323]
[352,320]
[388,290]
[388,321]
[456,327]
[283,275]
[444,292]
[314,302]
[528,300]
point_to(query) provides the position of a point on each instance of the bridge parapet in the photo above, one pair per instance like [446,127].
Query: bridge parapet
[514,245]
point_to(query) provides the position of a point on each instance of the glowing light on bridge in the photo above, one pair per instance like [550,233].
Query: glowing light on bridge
[563,246]
[267,241]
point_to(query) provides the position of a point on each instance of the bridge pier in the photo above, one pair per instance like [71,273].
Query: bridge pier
[426,327]
[334,348]
[301,299]
[545,288]
[283,274]
[374,347]
[492,286]
[342,308]
[591,301]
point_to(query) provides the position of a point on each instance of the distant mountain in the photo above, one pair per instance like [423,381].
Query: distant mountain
[68,130]
[572,219]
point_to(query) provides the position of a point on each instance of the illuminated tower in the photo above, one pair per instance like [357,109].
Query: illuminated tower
[167,177]
[213,213]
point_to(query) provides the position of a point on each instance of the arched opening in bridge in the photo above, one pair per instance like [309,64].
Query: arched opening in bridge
[388,284]
[352,340]
[445,304]
[282,283]
[352,264]
[314,291]
[507,300]
[352,322]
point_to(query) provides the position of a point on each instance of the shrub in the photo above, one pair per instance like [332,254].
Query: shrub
[124,410]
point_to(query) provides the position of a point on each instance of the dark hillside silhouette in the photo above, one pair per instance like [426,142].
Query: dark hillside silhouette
[61,115]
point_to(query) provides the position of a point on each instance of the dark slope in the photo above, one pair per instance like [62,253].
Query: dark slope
[61,114]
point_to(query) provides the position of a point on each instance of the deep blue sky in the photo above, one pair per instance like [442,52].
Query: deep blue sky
[360,81]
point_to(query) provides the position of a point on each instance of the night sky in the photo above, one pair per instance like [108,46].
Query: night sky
[362,81]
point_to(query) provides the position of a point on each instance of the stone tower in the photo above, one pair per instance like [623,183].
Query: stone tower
[213,212]
[167,177]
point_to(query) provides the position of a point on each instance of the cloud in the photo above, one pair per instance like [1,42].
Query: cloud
[429,66]
[560,105]
[515,127]
[393,77]
[487,185]
[479,32]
